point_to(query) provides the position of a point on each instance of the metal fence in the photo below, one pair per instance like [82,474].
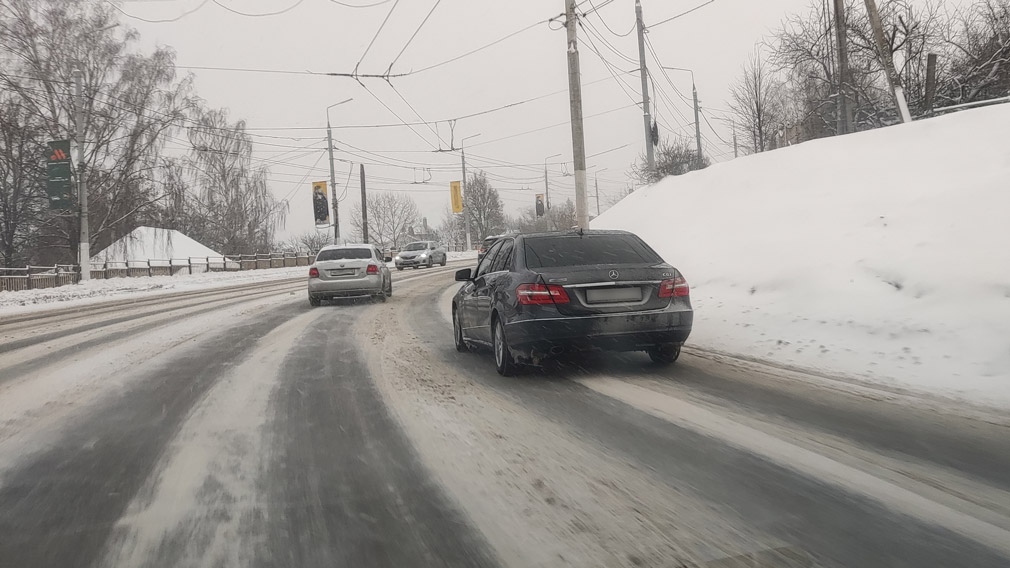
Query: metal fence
[34,277]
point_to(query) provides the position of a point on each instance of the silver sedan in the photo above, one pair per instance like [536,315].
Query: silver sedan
[347,271]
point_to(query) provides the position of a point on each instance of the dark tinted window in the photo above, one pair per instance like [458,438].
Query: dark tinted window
[549,252]
[344,254]
[503,260]
[488,259]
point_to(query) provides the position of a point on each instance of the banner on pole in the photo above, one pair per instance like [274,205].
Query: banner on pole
[320,203]
[457,197]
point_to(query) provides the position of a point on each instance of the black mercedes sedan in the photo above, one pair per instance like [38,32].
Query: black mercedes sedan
[537,295]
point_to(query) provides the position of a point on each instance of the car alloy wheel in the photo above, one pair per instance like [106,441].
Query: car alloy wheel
[502,356]
[457,333]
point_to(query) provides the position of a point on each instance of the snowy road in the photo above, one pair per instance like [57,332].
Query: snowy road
[248,429]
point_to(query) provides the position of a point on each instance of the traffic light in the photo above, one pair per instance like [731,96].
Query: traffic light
[540,205]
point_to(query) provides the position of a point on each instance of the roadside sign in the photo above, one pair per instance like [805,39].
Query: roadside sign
[457,197]
[59,168]
[320,204]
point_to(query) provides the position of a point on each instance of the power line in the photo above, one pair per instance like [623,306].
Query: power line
[550,126]
[165,21]
[604,21]
[277,13]
[393,112]
[624,87]
[372,5]
[374,37]
[424,21]
[698,7]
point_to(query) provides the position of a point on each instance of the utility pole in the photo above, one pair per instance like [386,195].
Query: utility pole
[930,81]
[597,195]
[547,185]
[697,122]
[736,148]
[364,208]
[650,154]
[84,246]
[333,185]
[886,58]
[466,201]
[333,180]
[578,135]
[844,122]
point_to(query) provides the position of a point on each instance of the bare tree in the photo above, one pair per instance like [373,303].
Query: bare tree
[487,214]
[980,52]
[756,103]
[560,217]
[238,213]
[451,230]
[390,218]
[309,241]
[673,158]
[22,178]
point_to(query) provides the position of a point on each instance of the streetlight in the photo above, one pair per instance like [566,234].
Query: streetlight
[697,110]
[333,178]
[466,194]
[547,187]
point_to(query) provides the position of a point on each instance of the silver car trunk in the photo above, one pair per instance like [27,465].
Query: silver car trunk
[342,269]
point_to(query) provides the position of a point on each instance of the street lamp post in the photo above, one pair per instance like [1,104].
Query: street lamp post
[466,193]
[547,187]
[333,178]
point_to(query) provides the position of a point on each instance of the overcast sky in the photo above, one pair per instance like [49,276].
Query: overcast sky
[326,36]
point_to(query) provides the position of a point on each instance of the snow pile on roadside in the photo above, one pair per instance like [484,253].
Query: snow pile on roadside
[94,291]
[883,255]
[149,243]
[464,255]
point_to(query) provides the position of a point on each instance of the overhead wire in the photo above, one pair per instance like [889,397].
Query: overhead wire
[406,45]
[376,36]
[252,15]
[150,21]
[604,21]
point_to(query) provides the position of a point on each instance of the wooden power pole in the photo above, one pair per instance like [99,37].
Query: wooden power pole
[844,123]
[886,58]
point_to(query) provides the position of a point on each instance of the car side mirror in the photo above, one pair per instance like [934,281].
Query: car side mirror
[464,275]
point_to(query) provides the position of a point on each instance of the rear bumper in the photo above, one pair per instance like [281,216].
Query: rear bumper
[364,286]
[536,338]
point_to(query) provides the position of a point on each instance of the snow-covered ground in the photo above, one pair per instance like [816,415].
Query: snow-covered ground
[123,288]
[883,255]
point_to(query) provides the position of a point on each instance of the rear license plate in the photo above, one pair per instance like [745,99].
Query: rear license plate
[344,272]
[601,295]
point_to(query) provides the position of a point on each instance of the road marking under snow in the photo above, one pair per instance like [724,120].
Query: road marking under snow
[696,418]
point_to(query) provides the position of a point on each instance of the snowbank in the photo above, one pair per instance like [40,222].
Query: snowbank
[94,291]
[149,243]
[883,255]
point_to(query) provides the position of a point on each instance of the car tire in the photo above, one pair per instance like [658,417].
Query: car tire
[665,354]
[399,268]
[430,262]
[504,362]
[444,259]
[315,301]
[389,288]
[457,333]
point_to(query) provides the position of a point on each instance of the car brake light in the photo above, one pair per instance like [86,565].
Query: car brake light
[536,294]
[675,287]
[372,269]
[313,272]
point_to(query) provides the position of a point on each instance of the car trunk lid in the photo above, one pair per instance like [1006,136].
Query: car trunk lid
[609,288]
[342,269]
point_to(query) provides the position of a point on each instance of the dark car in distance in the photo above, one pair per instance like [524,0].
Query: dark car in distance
[485,245]
[537,295]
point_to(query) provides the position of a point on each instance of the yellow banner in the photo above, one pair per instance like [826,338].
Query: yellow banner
[457,197]
[320,204]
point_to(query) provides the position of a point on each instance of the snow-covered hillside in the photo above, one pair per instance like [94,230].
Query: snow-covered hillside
[883,255]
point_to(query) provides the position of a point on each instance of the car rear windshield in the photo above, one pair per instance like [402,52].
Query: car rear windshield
[344,254]
[416,246]
[587,250]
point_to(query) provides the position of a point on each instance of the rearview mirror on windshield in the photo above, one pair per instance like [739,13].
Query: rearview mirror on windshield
[464,275]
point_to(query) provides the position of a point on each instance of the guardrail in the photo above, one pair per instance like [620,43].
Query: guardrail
[34,277]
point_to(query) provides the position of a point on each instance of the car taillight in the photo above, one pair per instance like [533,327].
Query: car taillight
[535,294]
[313,272]
[674,287]
[372,269]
